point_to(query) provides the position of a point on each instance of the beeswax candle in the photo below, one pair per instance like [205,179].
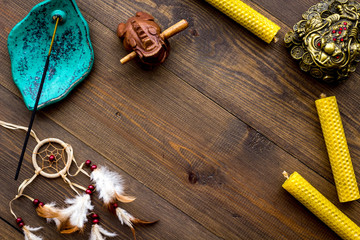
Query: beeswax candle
[319,205]
[248,18]
[337,148]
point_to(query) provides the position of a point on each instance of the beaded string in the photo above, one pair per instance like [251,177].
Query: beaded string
[79,169]
[72,185]
[21,189]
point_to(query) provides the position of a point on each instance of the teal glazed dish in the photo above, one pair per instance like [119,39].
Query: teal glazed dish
[72,55]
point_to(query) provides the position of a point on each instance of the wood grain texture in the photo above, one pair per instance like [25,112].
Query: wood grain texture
[8,231]
[147,205]
[201,140]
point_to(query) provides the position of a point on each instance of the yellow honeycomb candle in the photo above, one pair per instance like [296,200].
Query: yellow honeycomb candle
[337,148]
[248,18]
[319,205]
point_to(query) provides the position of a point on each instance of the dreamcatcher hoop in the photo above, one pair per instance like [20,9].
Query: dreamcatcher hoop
[69,153]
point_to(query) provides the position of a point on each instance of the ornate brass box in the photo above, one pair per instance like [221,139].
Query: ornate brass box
[326,40]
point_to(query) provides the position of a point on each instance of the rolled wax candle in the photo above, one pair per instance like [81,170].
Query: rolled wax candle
[337,148]
[319,205]
[248,18]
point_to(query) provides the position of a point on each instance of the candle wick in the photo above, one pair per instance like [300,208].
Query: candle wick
[285,174]
[322,95]
[276,39]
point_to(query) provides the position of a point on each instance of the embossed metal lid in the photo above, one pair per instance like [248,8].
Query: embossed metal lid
[326,40]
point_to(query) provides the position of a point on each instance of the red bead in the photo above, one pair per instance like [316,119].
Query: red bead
[91,187]
[19,220]
[36,202]
[340,32]
[87,162]
[94,215]
[334,39]
[41,204]
[95,221]
[337,57]
[51,158]
[88,191]
[93,167]
[319,44]
[345,23]
[21,224]
[341,39]
[115,205]
[333,31]
[345,28]
[340,29]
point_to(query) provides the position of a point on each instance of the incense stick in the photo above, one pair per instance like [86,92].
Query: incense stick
[36,102]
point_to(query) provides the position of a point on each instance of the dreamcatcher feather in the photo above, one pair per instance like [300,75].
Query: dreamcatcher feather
[74,215]
[28,233]
[71,218]
[97,233]
[109,185]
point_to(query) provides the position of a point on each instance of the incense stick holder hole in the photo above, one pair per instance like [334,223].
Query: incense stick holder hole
[58,14]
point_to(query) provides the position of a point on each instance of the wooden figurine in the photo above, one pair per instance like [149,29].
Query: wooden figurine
[142,37]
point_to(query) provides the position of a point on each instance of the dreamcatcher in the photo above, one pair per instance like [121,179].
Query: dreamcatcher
[52,158]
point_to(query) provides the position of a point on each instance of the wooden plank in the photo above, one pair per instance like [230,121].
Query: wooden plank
[262,85]
[282,109]
[195,71]
[288,12]
[8,231]
[177,142]
[148,205]
[291,122]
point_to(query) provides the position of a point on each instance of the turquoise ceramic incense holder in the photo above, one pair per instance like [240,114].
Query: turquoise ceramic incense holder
[71,58]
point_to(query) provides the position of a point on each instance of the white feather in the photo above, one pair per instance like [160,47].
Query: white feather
[57,221]
[78,210]
[97,232]
[124,217]
[29,235]
[106,232]
[32,229]
[107,183]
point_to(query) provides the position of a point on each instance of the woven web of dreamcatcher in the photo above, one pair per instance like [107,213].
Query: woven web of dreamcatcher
[52,157]
[47,149]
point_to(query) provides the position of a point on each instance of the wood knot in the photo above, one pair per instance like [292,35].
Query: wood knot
[193,178]
[257,141]
[194,33]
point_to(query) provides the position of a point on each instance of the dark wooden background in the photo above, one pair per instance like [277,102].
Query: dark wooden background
[201,140]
